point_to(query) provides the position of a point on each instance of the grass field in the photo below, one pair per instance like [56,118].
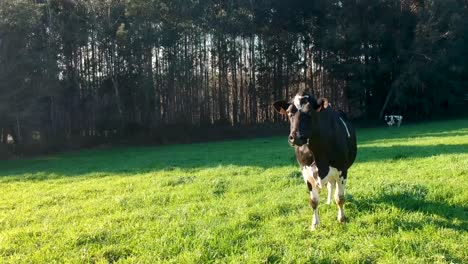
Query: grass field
[240,202]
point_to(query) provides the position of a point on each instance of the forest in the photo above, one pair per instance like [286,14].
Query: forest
[83,72]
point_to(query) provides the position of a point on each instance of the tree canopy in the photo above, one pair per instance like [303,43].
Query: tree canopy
[94,68]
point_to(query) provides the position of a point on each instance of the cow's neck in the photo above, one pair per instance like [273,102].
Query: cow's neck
[317,135]
[315,129]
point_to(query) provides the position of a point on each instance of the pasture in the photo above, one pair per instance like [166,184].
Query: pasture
[240,202]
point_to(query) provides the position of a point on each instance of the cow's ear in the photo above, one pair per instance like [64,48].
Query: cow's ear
[322,103]
[281,106]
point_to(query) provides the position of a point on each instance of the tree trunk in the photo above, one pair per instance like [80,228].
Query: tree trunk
[387,99]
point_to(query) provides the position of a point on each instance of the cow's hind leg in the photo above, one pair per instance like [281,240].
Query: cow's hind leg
[330,187]
[340,196]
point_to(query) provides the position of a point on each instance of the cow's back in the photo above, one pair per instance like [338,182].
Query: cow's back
[338,139]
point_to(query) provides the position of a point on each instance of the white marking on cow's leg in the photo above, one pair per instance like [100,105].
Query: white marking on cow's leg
[330,178]
[314,202]
[305,175]
[310,174]
[330,191]
[314,195]
[340,198]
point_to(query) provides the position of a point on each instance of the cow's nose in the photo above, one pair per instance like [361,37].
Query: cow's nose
[291,138]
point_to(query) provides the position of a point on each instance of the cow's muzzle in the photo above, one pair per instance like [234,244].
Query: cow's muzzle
[297,139]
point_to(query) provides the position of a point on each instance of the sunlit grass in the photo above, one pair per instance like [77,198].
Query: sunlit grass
[240,201]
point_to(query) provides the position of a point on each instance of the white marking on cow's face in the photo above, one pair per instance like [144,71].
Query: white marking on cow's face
[297,101]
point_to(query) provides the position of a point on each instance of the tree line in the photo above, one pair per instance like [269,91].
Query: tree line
[73,69]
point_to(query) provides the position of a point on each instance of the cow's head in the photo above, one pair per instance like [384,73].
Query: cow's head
[301,112]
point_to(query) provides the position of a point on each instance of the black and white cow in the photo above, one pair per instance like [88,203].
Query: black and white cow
[393,119]
[325,146]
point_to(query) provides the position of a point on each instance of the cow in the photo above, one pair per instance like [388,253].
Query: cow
[393,119]
[325,147]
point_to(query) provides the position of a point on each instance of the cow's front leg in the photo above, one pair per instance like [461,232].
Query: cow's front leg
[340,198]
[309,179]
[314,202]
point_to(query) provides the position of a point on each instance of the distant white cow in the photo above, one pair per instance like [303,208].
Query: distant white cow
[393,119]
[10,139]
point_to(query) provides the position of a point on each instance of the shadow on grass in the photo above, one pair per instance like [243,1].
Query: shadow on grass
[412,198]
[402,152]
[444,134]
[263,153]
[191,158]
[259,153]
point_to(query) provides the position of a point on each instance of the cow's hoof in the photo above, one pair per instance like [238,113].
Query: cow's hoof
[314,227]
[341,219]
[328,202]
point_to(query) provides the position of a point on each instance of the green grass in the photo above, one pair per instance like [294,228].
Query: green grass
[240,202]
